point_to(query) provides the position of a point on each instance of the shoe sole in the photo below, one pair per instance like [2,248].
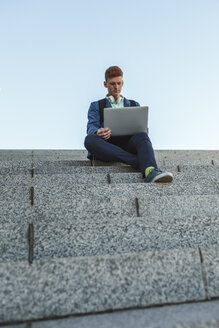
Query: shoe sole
[163,177]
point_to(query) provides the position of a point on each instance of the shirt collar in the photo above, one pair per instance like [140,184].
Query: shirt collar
[112,99]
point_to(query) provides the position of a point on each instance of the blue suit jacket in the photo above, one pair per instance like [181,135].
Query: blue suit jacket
[94,116]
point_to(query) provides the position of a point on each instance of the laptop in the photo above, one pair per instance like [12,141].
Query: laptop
[126,120]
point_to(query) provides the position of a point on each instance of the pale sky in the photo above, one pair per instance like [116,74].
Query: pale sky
[54,53]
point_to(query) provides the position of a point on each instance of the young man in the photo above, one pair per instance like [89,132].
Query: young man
[135,150]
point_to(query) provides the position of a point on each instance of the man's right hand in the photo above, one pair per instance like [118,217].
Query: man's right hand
[104,133]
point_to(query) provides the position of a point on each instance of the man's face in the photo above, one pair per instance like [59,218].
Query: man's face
[114,86]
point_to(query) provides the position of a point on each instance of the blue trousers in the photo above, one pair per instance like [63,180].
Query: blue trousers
[135,150]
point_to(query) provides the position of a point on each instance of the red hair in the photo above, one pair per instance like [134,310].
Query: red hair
[113,71]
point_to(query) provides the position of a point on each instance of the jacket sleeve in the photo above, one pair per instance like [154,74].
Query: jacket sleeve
[93,118]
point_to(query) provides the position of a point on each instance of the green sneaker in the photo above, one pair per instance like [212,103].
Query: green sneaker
[157,175]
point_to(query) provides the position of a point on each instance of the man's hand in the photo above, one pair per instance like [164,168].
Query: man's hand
[104,133]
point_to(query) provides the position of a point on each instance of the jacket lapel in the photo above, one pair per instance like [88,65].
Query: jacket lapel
[108,104]
[126,102]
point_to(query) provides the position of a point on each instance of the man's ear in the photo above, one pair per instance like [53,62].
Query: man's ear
[104,83]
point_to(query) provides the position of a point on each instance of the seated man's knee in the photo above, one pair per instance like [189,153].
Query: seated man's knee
[141,136]
[89,140]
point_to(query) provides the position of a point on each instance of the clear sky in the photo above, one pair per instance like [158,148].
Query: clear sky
[53,55]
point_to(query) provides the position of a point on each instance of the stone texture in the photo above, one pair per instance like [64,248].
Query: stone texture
[17,326]
[186,154]
[175,205]
[15,163]
[83,208]
[80,154]
[14,170]
[197,176]
[187,174]
[49,164]
[82,285]
[102,235]
[82,175]
[126,178]
[13,242]
[51,189]
[103,163]
[209,324]
[161,153]
[57,179]
[196,315]
[86,208]
[15,155]
[13,180]
[211,269]
[166,162]
[14,212]
[13,194]
[185,161]
[81,170]
[14,152]
[155,264]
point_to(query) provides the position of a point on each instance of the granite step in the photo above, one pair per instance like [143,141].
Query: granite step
[67,190]
[51,164]
[12,180]
[41,210]
[89,208]
[12,171]
[123,235]
[169,162]
[14,166]
[57,161]
[76,153]
[46,165]
[15,155]
[16,163]
[43,154]
[10,195]
[90,175]
[71,170]
[193,315]
[197,174]
[125,173]
[61,287]
[66,167]
[14,242]
[40,170]
[56,166]
[14,212]
[186,154]
[179,205]
[60,154]
[103,236]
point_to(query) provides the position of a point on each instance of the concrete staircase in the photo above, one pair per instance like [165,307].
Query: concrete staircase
[91,241]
